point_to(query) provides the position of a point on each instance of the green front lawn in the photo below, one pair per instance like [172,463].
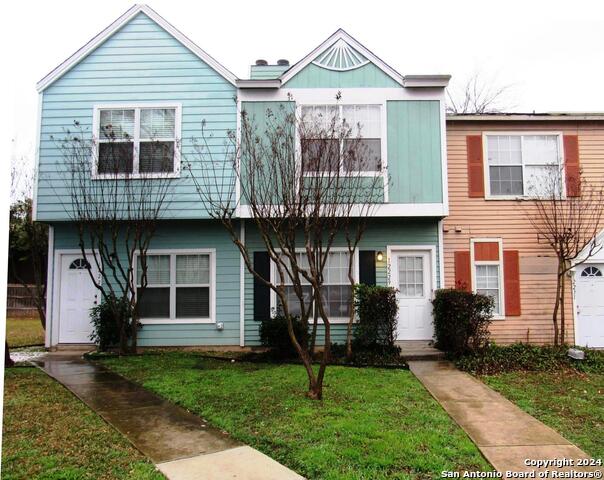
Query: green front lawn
[49,434]
[24,331]
[571,403]
[372,423]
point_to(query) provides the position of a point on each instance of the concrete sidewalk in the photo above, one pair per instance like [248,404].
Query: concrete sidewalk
[182,445]
[505,435]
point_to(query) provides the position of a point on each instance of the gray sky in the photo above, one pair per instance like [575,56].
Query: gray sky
[552,52]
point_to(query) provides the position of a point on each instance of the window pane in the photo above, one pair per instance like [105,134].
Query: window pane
[320,155]
[156,157]
[157,123]
[540,149]
[363,120]
[115,157]
[487,282]
[504,150]
[506,180]
[411,276]
[192,302]
[318,118]
[337,300]
[293,302]
[192,269]
[154,302]
[158,270]
[363,155]
[116,124]
[543,180]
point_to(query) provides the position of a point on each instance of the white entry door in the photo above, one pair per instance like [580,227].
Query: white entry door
[77,295]
[411,275]
[590,305]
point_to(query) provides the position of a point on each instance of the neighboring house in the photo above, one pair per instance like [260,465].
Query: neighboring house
[495,163]
[141,64]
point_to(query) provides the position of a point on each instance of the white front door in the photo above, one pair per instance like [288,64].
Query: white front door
[411,275]
[77,295]
[590,305]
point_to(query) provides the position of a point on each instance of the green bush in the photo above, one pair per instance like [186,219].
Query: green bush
[376,308]
[461,320]
[105,329]
[523,357]
[275,336]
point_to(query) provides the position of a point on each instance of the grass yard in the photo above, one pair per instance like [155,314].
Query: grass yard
[571,403]
[372,423]
[24,331]
[48,434]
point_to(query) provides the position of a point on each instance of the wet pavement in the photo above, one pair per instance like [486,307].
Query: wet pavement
[180,443]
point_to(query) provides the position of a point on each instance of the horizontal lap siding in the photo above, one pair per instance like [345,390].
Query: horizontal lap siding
[369,76]
[379,234]
[140,63]
[189,235]
[478,217]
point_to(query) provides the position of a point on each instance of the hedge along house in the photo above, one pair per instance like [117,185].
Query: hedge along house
[496,163]
[202,293]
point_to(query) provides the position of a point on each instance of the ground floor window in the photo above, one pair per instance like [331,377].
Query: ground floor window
[179,286]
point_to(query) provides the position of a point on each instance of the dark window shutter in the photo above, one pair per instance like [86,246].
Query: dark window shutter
[572,166]
[475,166]
[511,282]
[463,275]
[367,267]
[262,293]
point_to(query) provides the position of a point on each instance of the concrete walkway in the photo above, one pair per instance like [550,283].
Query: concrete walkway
[182,445]
[505,435]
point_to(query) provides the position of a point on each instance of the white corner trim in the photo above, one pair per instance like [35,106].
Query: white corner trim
[242,289]
[342,35]
[441,255]
[96,41]
[49,287]
[34,208]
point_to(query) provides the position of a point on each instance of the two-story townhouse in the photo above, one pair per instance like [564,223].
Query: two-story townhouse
[140,66]
[496,164]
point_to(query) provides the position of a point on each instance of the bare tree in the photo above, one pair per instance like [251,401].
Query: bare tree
[302,183]
[477,96]
[116,214]
[567,215]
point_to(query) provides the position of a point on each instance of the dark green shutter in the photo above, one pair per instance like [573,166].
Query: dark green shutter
[262,293]
[367,267]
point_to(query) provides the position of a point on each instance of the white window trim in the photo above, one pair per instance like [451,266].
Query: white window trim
[341,105]
[409,250]
[173,253]
[528,133]
[335,320]
[136,140]
[474,263]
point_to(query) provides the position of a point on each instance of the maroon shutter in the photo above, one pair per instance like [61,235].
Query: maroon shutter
[463,275]
[571,165]
[511,282]
[475,166]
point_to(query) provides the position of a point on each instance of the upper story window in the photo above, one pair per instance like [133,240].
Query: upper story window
[523,165]
[365,138]
[135,141]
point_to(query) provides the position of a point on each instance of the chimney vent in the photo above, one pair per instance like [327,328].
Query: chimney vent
[261,62]
[283,63]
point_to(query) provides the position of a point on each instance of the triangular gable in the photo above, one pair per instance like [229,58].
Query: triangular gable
[83,52]
[341,52]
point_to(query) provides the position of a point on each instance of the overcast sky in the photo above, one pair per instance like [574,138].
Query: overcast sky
[551,52]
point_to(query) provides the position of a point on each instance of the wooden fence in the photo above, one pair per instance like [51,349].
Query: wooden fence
[19,302]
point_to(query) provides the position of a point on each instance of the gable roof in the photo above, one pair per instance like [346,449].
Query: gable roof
[341,36]
[95,42]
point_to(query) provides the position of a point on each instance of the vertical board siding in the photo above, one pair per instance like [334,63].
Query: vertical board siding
[369,76]
[507,219]
[139,63]
[379,234]
[414,151]
[188,235]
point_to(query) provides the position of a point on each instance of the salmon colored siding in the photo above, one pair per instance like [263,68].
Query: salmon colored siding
[473,217]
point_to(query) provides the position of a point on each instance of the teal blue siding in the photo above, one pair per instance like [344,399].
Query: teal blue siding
[188,235]
[380,233]
[264,72]
[139,63]
[414,151]
[369,76]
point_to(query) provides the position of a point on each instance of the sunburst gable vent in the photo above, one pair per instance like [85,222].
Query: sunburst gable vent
[340,57]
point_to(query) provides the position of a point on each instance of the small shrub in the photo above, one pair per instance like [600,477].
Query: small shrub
[461,320]
[105,330]
[523,357]
[376,308]
[274,335]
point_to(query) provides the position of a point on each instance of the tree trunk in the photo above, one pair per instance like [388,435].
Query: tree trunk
[315,323]
[42,315]
[557,304]
[562,313]
[8,362]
